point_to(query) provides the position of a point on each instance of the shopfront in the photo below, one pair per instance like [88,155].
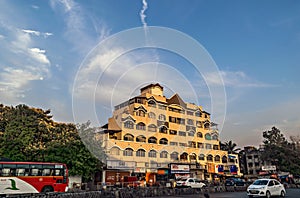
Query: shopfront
[180,170]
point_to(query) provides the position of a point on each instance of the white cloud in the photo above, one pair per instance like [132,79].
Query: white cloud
[142,13]
[77,25]
[33,32]
[46,34]
[37,33]
[35,7]
[17,78]
[23,64]
[284,116]
[39,55]
[233,79]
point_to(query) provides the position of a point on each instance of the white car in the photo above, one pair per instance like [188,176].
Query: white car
[266,188]
[190,183]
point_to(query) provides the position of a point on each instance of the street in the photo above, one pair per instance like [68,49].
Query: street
[291,193]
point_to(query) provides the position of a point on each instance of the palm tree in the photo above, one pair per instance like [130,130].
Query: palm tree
[230,147]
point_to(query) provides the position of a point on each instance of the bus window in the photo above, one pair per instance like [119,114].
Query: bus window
[5,171]
[58,172]
[46,172]
[20,172]
[34,172]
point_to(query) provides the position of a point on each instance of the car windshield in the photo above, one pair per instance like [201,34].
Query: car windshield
[260,182]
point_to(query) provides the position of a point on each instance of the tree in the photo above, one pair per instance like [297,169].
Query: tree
[30,134]
[230,147]
[68,147]
[24,133]
[274,137]
[278,151]
[88,136]
[296,142]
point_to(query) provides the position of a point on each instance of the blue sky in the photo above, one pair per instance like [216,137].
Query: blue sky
[255,45]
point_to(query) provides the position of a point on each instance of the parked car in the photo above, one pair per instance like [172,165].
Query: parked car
[190,183]
[234,182]
[266,188]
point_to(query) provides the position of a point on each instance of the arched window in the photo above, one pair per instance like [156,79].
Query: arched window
[174,156]
[199,134]
[198,113]
[190,122]
[209,158]
[201,157]
[184,156]
[128,137]
[151,103]
[163,129]
[207,136]
[207,125]
[152,128]
[152,140]
[163,141]
[152,153]
[128,124]
[141,126]
[191,133]
[217,158]
[140,138]
[115,151]
[128,152]
[200,145]
[140,153]
[140,113]
[193,156]
[208,146]
[224,159]
[214,137]
[162,117]
[164,154]
[151,115]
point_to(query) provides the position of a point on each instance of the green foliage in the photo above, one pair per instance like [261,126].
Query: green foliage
[230,147]
[29,134]
[280,152]
[89,138]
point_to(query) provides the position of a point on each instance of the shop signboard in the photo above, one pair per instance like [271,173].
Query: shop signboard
[180,168]
[211,168]
[233,169]
[115,164]
[220,169]
[268,168]
[139,170]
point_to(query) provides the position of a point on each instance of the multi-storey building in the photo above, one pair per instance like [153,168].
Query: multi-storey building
[253,162]
[158,137]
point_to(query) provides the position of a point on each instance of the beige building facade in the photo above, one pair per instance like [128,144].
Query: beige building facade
[160,138]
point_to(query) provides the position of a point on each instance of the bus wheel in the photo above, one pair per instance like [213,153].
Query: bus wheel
[47,189]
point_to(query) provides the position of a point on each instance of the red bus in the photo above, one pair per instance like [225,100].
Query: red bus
[32,177]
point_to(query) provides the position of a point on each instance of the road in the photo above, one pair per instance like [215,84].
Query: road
[291,193]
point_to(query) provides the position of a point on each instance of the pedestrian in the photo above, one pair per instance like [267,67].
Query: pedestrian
[206,195]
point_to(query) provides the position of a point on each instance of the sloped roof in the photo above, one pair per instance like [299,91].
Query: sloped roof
[152,85]
[113,125]
[176,99]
